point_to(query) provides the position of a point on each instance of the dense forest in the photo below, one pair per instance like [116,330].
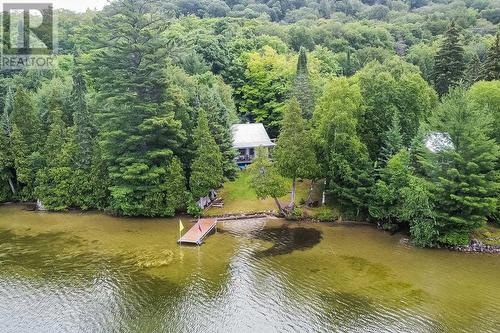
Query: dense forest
[396,104]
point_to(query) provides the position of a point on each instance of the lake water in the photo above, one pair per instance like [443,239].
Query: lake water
[95,273]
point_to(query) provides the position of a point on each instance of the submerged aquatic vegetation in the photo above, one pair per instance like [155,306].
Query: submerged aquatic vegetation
[152,259]
[286,240]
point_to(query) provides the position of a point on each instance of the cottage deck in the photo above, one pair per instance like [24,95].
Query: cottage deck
[198,232]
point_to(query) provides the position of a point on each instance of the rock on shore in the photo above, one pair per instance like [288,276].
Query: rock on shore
[477,246]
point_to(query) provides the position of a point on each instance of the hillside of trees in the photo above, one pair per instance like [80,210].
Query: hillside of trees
[396,104]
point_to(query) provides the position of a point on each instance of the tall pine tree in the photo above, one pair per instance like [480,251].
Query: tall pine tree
[206,168]
[140,134]
[6,159]
[20,155]
[449,63]
[55,139]
[492,64]
[26,142]
[302,88]
[84,123]
[55,181]
[219,115]
[176,185]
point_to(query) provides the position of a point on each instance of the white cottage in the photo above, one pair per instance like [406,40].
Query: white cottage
[247,138]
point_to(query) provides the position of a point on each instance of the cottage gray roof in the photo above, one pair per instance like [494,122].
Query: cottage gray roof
[250,136]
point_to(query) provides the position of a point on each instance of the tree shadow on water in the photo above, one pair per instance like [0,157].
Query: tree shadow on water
[286,240]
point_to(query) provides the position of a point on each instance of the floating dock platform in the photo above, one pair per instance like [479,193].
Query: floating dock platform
[198,232]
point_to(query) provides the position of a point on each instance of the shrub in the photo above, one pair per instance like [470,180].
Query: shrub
[326,215]
[192,207]
[455,238]
[296,214]
[423,233]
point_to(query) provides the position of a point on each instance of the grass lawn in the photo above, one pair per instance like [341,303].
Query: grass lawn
[240,198]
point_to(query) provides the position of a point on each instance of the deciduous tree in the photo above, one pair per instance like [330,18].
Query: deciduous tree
[389,89]
[294,154]
[266,180]
[346,161]
[269,78]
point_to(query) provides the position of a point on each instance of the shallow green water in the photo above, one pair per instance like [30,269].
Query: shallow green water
[94,273]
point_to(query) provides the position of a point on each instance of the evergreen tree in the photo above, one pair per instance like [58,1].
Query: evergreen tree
[393,141]
[7,112]
[325,9]
[473,71]
[467,175]
[265,179]
[140,134]
[294,154]
[83,119]
[492,64]
[26,142]
[6,159]
[55,182]
[20,154]
[386,197]
[302,88]
[7,188]
[399,197]
[55,188]
[56,140]
[176,185]
[449,63]
[206,169]
[349,67]
[219,115]
[25,117]
[99,179]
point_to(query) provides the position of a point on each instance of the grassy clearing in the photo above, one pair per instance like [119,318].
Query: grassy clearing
[239,197]
[489,235]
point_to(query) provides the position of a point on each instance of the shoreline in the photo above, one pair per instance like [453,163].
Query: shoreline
[475,246]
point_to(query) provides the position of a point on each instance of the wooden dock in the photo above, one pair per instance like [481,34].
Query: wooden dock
[198,232]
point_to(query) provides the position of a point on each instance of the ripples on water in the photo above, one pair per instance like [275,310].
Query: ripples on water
[276,278]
